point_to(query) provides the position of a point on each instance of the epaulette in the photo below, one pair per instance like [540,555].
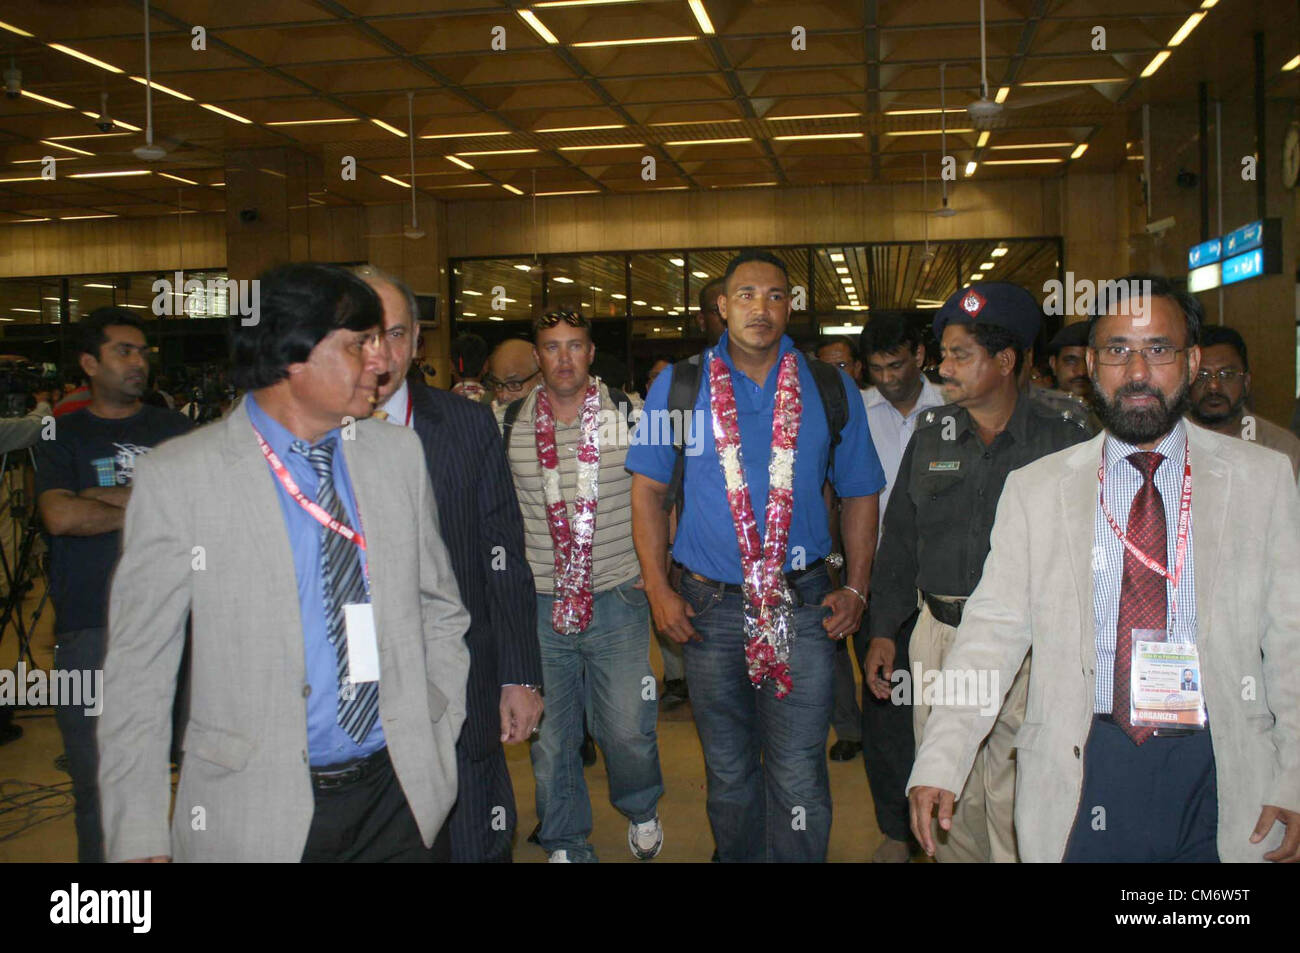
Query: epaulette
[936,415]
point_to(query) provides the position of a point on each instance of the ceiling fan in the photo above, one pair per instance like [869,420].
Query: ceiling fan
[149,152]
[983,110]
[412,231]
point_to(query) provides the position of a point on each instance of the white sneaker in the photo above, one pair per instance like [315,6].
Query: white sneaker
[559,857]
[645,839]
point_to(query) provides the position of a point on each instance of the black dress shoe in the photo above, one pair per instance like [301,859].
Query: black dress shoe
[845,750]
[588,751]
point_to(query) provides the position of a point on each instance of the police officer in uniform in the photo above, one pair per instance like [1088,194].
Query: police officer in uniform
[937,525]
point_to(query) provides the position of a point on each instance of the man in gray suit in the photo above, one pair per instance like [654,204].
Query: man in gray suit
[329,664]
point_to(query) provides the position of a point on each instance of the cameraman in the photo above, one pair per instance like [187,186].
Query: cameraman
[83,483]
[17,433]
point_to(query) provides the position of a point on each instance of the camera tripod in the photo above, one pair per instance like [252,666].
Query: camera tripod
[20,574]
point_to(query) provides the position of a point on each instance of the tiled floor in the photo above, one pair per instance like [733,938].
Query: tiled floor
[854,835]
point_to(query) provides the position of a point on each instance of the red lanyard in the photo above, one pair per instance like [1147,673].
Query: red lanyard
[1184,521]
[291,487]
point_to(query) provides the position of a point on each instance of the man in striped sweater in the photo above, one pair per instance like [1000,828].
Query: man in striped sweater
[566,442]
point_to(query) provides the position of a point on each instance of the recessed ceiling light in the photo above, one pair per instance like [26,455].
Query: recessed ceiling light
[524,267]
[46,99]
[677,261]
[617,297]
[841,271]
[999,251]
[970,168]
[837,256]
[639,302]
[986,266]
[562,279]
[476,294]
[700,274]
[85,57]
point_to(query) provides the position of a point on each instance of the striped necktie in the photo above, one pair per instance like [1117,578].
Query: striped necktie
[1143,601]
[342,583]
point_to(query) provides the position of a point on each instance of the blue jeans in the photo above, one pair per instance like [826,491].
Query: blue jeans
[769,791]
[612,658]
[82,650]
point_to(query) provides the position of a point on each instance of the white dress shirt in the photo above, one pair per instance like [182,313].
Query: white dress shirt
[397,405]
[890,431]
[1123,480]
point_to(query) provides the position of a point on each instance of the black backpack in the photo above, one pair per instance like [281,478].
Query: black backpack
[685,387]
[512,414]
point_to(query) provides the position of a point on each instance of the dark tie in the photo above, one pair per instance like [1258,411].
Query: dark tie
[342,584]
[1142,596]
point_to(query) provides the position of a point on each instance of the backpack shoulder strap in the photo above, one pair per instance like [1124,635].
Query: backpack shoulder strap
[621,401]
[508,424]
[830,387]
[682,390]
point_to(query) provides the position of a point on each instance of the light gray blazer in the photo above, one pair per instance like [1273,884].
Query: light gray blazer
[205,538]
[1038,593]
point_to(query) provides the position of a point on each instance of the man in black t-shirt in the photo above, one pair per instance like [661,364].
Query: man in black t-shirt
[83,483]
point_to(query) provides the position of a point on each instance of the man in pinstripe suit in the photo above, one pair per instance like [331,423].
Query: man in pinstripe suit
[483,532]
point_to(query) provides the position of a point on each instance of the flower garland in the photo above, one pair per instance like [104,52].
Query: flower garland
[570,540]
[769,621]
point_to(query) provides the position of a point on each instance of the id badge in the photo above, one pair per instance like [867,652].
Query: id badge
[1165,688]
[363,646]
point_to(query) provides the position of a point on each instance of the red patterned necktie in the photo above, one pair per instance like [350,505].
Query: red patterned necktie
[1142,597]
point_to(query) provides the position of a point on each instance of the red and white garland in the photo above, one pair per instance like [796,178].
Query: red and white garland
[570,539]
[769,621]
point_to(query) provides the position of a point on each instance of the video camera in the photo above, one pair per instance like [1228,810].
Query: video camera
[18,381]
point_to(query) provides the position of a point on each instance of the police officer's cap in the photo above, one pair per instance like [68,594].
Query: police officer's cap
[1072,335]
[993,302]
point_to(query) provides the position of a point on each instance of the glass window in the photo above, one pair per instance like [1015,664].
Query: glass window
[505,291]
[595,285]
[658,304]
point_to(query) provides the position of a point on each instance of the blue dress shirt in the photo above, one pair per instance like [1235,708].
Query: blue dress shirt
[706,539]
[327,743]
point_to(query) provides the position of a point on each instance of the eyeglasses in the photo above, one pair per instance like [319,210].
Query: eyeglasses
[513,386]
[1156,354]
[1225,375]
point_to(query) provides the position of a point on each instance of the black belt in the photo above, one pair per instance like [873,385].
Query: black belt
[1158,733]
[333,776]
[791,578]
[949,613]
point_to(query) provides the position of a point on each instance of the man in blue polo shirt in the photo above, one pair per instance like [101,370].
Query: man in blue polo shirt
[768,788]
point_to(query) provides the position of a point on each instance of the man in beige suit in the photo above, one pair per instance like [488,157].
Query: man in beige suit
[1097,779]
[329,664]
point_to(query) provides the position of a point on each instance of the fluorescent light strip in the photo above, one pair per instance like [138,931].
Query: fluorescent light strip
[27,221]
[168,175]
[821,135]
[745,185]
[13,29]
[529,17]
[311,122]
[1157,61]
[930,132]
[108,175]
[82,218]
[465,135]
[812,116]
[617,125]
[923,112]
[696,122]
[116,122]
[1079,150]
[163,89]
[971,166]
[1022,161]
[1033,145]
[460,162]
[27,310]
[387,128]
[705,142]
[1002,95]
[88,135]
[499,152]
[23,178]
[580,3]
[617,145]
[1077,82]
[702,16]
[85,57]
[1291,64]
[97,285]
[983,140]
[396,181]
[227,113]
[46,99]
[641,41]
[59,145]
[1185,30]
[571,192]
[466,185]
[999,251]
[509,188]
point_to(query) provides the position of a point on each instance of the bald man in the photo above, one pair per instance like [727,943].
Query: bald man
[511,371]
